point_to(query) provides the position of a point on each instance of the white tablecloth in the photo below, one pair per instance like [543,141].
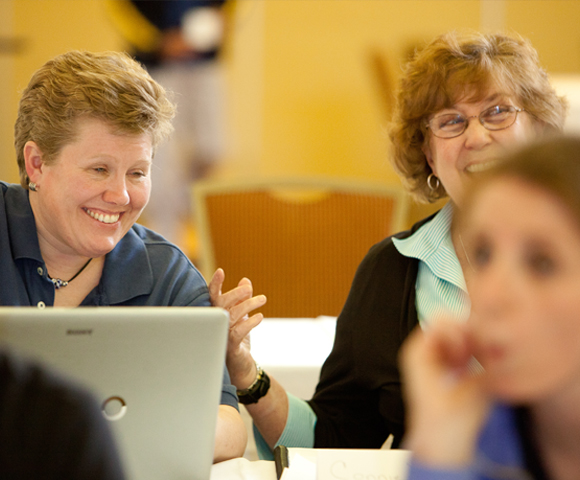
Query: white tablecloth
[310,464]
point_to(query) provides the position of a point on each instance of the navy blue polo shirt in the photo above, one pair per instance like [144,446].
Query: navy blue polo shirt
[143,269]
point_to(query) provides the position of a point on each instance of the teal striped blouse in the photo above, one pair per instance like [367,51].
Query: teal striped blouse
[440,286]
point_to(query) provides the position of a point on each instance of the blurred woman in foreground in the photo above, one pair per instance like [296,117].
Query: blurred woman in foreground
[518,416]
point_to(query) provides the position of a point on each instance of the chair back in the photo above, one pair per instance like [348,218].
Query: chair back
[298,240]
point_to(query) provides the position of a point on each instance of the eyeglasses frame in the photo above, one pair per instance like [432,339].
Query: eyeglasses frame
[466,124]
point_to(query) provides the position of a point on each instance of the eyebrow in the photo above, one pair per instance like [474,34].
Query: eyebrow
[492,98]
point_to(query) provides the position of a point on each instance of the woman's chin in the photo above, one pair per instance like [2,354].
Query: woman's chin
[96,250]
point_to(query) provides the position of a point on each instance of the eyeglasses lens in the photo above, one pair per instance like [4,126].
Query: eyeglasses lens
[452,124]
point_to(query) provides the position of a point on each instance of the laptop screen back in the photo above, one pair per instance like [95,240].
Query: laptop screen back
[157,372]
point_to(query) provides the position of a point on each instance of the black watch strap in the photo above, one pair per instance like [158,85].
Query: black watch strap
[256,390]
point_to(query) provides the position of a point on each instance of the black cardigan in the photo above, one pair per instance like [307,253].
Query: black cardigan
[358,399]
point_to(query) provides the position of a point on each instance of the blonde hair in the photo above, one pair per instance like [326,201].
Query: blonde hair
[458,66]
[108,86]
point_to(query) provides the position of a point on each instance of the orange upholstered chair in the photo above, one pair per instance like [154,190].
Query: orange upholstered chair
[298,240]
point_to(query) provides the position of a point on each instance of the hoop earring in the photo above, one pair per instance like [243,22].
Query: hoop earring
[432,187]
[32,187]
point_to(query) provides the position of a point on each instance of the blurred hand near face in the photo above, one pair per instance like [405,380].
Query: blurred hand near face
[446,401]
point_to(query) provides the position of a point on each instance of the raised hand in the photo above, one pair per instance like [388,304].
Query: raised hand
[239,302]
[444,392]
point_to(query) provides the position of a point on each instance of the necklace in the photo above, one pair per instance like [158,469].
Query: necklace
[59,282]
[466,256]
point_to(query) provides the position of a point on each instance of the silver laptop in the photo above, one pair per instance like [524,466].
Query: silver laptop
[157,372]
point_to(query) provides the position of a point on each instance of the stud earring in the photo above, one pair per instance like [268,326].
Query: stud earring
[32,187]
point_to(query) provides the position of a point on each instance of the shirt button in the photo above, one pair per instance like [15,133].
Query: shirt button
[41,305]
[39,270]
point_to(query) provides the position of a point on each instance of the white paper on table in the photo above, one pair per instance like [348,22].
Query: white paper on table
[300,469]
[309,454]
[242,469]
[352,464]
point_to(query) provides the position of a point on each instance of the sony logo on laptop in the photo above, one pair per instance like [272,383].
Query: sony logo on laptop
[79,331]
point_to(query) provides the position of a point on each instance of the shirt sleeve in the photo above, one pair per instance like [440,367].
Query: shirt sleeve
[229,395]
[298,432]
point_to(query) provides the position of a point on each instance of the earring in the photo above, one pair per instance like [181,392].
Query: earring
[432,187]
[32,186]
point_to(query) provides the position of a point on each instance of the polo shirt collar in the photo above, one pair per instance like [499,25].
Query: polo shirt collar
[432,245]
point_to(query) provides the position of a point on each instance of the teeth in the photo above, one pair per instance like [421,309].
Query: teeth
[481,167]
[104,218]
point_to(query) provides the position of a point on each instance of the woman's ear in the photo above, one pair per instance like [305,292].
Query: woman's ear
[33,160]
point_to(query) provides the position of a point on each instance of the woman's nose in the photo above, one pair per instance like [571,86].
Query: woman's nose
[476,135]
[116,192]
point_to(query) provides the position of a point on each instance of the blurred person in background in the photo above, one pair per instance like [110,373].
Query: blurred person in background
[179,42]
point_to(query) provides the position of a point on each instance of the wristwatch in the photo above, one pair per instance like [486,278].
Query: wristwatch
[256,390]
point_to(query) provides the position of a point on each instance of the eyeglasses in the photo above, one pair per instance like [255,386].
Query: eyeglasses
[450,125]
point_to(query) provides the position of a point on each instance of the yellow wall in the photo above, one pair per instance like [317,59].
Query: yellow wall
[45,28]
[7,169]
[553,28]
[320,103]
[302,92]
[321,97]
[304,95]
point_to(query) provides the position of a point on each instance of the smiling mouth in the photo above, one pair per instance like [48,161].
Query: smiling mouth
[103,218]
[481,167]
